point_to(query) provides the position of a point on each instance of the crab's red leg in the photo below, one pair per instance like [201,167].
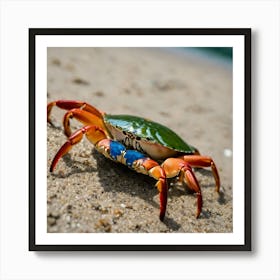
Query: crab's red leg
[157,172]
[93,133]
[82,111]
[84,117]
[174,167]
[72,104]
[203,161]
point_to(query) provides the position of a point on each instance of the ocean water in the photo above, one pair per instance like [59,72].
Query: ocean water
[220,55]
[221,52]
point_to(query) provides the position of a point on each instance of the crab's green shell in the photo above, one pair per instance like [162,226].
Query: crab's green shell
[149,131]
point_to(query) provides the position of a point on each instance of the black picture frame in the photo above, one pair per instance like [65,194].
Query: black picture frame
[244,32]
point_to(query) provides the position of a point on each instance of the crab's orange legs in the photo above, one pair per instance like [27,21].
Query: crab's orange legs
[84,117]
[151,167]
[79,110]
[176,166]
[203,161]
[93,133]
[72,104]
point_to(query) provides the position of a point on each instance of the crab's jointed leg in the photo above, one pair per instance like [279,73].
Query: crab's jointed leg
[93,133]
[157,172]
[203,161]
[178,167]
[72,104]
[82,111]
[84,117]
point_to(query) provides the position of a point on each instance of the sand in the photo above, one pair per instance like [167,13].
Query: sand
[188,93]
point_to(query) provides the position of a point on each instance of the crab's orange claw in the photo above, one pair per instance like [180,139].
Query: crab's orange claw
[93,133]
[176,166]
[203,161]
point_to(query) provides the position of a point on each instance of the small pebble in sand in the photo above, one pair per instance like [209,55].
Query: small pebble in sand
[80,81]
[227,152]
[99,94]
[118,213]
[104,224]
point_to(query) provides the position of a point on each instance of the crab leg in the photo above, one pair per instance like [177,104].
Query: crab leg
[93,133]
[85,117]
[203,161]
[138,162]
[176,166]
[72,104]
[86,113]
[157,172]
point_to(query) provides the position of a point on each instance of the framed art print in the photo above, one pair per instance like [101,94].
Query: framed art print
[140,139]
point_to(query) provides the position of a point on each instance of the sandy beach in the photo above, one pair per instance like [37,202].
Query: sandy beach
[186,92]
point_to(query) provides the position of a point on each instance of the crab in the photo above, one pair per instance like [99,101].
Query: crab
[143,145]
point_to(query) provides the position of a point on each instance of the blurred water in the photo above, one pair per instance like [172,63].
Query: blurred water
[221,55]
[225,52]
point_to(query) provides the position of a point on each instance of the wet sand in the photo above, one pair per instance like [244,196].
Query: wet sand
[188,93]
